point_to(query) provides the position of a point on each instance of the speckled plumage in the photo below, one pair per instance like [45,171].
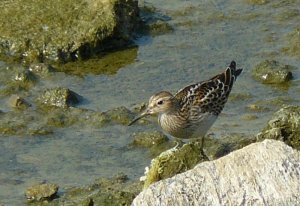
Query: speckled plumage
[193,109]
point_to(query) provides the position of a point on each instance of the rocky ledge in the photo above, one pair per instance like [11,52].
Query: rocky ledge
[64,30]
[264,173]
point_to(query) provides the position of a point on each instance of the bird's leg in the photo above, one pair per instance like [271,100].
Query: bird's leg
[179,143]
[201,141]
[202,150]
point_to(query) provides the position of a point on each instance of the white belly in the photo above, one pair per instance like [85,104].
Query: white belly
[179,129]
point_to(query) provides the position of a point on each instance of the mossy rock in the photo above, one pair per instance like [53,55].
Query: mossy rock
[41,69]
[18,102]
[149,139]
[115,191]
[293,47]
[64,30]
[285,126]
[120,115]
[172,162]
[59,97]
[41,192]
[272,72]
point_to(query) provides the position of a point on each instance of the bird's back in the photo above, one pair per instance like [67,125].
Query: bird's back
[201,103]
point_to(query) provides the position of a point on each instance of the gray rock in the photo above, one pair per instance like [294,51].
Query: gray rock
[272,72]
[264,173]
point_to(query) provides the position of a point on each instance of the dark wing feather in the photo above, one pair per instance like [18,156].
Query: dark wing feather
[208,96]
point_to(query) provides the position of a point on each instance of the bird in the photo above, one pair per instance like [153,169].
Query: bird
[191,111]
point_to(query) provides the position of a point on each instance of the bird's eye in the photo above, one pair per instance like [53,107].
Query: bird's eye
[160,102]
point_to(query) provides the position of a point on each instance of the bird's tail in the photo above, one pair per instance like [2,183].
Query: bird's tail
[231,73]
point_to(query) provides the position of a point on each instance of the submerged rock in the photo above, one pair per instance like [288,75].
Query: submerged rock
[285,126]
[41,69]
[41,192]
[80,29]
[293,47]
[149,139]
[59,97]
[120,115]
[272,72]
[265,173]
[16,101]
[114,192]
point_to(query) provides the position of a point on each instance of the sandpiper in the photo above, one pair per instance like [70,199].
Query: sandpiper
[192,110]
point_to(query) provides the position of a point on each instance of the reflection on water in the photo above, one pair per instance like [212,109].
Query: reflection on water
[108,64]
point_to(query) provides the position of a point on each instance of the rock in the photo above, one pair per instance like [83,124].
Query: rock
[264,173]
[155,23]
[59,97]
[149,139]
[16,101]
[41,69]
[258,2]
[40,192]
[285,126]
[272,72]
[120,115]
[293,47]
[80,29]
[173,161]
[114,192]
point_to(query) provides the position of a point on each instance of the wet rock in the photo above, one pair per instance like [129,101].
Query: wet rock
[24,76]
[120,115]
[172,162]
[41,192]
[116,191]
[240,96]
[257,108]
[155,23]
[149,139]
[16,101]
[249,117]
[80,29]
[285,126]
[59,97]
[272,72]
[266,173]
[41,69]
[258,2]
[293,47]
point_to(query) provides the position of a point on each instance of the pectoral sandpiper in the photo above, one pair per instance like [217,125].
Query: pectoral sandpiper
[192,110]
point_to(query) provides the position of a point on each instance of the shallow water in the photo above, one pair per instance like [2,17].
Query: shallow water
[207,36]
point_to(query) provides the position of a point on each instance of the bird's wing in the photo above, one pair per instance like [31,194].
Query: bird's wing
[208,96]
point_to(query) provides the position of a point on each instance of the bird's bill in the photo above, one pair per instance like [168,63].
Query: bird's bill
[146,113]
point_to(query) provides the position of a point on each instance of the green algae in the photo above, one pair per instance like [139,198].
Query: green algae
[293,47]
[108,64]
[172,162]
[64,30]
[59,97]
[272,72]
[114,191]
[149,139]
[285,126]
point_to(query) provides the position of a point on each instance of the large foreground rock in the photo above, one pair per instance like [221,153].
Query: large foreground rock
[64,29]
[265,173]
